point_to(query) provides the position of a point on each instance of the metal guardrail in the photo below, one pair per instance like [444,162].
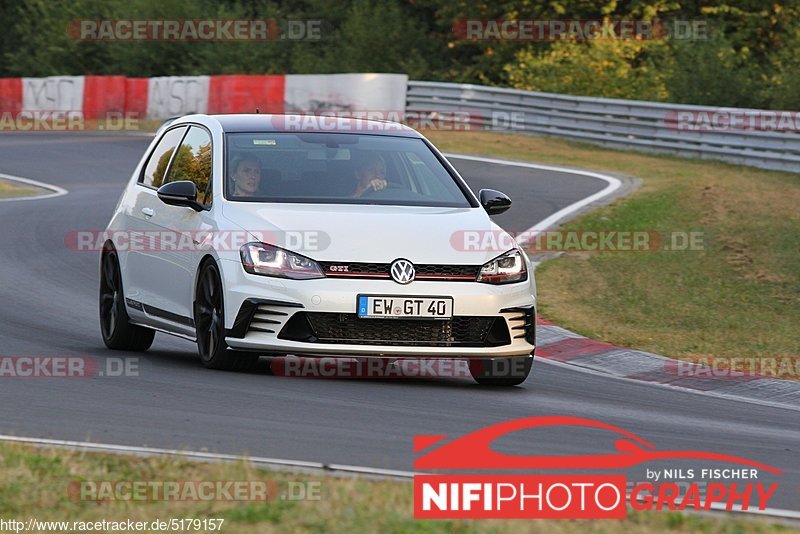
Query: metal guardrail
[626,124]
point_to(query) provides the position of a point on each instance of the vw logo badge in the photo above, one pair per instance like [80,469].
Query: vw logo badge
[402,271]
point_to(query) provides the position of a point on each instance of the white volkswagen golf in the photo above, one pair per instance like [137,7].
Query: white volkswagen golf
[268,235]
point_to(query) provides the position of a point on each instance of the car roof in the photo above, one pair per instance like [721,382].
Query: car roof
[265,122]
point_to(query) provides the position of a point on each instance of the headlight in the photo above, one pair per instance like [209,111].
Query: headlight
[504,269]
[260,258]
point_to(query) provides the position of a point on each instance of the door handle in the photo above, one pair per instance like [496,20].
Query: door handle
[148,212]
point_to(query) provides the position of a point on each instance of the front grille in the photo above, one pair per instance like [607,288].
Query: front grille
[354,268]
[466,273]
[463,331]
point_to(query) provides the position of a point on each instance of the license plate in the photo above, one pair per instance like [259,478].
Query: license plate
[394,307]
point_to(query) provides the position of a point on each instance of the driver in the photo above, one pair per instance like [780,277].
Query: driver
[370,175]
[246,176]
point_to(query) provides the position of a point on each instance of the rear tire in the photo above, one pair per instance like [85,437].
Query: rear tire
[118,333]
[500,371]
[209,320]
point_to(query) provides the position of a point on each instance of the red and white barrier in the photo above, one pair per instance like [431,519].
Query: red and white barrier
[54,93]
[177,95]
[11,95]
[244,93]
[96,97]
[136,92]
[91,97]
[314,93]
[103,95]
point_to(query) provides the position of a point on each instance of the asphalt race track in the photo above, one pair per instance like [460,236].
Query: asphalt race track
[48,306]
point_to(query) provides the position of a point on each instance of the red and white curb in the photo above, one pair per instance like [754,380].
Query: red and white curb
[556,344]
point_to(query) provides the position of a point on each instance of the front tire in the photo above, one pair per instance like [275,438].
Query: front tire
[118,333]
[500,371]
[209,320]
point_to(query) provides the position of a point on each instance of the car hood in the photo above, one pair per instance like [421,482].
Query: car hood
[373,233]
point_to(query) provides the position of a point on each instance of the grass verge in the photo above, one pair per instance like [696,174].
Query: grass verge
[739,297]
[35,482]
[11,190]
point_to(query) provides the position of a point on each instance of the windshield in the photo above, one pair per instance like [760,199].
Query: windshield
[337,168]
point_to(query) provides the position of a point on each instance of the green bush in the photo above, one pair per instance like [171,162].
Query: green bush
[609,68]
[712,73]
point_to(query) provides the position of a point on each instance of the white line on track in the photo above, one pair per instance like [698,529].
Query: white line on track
[56,191]
[551,221]
[207,456]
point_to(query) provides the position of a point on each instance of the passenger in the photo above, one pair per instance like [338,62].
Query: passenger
[246,176]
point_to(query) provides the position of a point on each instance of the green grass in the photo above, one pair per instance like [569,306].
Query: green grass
[12,189]
[34,483]
[739,297]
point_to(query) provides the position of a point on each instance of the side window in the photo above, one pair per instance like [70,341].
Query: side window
[156,168]
[193,162]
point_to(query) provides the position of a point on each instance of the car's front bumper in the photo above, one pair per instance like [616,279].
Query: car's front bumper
[513,304]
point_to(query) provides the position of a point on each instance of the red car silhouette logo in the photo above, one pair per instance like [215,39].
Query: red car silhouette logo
[473,450]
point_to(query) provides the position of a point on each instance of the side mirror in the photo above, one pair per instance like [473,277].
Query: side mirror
[182,193]
[494,202]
